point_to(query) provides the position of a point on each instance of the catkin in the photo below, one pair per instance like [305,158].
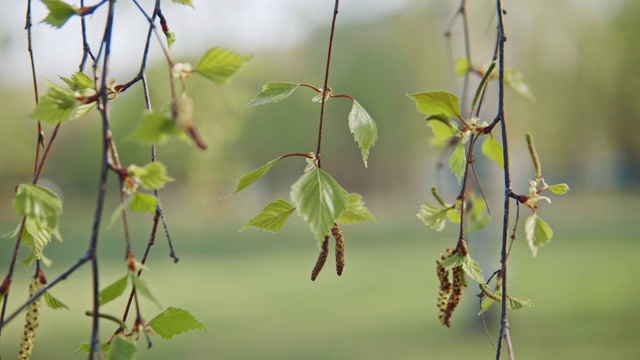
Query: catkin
[445,284]
[339,237]
[31,323]
[322,258]
[456,295]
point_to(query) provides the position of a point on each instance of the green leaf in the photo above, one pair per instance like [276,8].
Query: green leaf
[441,127]
[458,162]
[38,203]
[274,92]
[462,67]
[272,217]
[171,38]
[143,289]
[113,291]
[493,150]
[437,102]
[356,211]
[156,128]
[121,349]
[433,216]
[220,65]
[143,202]
[174,321]
[56,106]
[79,82]
[537,232]
[452,261]
[86,347]
[59,12]
[559,189]
[54,303]
[253,176]
[363,128]
[515,80]
[320,200]
[515,303]
[184,2]
[151,176]
[35,236]
[472,269]
[454,215]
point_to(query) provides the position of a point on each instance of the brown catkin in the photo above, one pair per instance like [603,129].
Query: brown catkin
[456,295]
[31,324]
[445,284]
[337,234]
[322,258]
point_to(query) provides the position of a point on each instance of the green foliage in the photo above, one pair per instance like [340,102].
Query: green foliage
[470,267]
[59,12]
[86,347]
[493,150]
[495,296]
[356,211]
[320,200]
[363,129]
[113,291]
[462,67]
[437,102]
[42,209]
[274,92]
[433,216]
[121,348]
[458,161]
[184,2]
[142,289]
[272,217]
[80,82]
[143,202]
[515,80]
[157,128]
[152,176]
[56,106]
[171,38]
[441,127]
[220,65]
[53,303]
[537,232]
[559,189]
[249,178]
[175,321]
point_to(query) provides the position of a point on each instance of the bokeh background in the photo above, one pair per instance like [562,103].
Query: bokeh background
[581,60]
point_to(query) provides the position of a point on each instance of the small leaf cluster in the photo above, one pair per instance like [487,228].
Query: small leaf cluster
[435,215]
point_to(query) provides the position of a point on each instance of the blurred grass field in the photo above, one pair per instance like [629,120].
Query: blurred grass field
[252,289]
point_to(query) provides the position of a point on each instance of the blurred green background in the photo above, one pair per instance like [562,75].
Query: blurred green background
[252,289]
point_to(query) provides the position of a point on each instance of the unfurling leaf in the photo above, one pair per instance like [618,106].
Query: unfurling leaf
[143,202]
[363,128]
[493,150]
[59,12]
[54,303]
[470,267]
[220,65]
[537,232]
[38,203]
[515,80]
[437,102]
[253,176]
[184,2]
[441,127]
[56,106]
[156,128]
[458,162]
[142,289]
[86,347]
[356,211]
[272,217]
[151,176]
[80,82]
[174,321]
[121,349]
[320,200]
[113,291]
[433,216]
[462,67]
[559,189]
[274,92]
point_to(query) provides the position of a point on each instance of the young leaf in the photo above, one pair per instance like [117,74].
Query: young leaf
[537,232]
[156,128]
[356,211]
[441,127]
[174,321]
[472,269]
[437,102]
[171,38]
[151,176]
[272,217]
[113,291]
[121,349]
[38,203]
[363,128]
[515,80]
[452,261]
[462,67]
[86,347]
[493,150]
[142,289]
[55,106]
[458,161]
[36,236]
[219,65]
[433,216]
[79,82]
[184,2]
[54,303]
[253,176]
[454,215]
[59,12]
[320,200]
[143,202]
[559,189]
[274,92]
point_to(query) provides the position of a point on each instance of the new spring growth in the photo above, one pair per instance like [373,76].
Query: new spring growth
[534,155]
